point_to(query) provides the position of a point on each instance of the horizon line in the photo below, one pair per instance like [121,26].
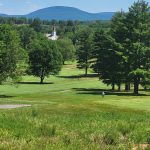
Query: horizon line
[60,6]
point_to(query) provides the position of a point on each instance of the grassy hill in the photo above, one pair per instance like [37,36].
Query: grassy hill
[69,112]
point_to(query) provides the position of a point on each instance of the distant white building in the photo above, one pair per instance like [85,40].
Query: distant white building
[52,36]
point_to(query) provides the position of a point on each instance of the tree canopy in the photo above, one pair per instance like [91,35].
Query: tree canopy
[9,52]
[44,58]
[123,55]
[67,49]
[84,48]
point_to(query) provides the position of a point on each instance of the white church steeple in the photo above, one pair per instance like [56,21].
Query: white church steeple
[53,36]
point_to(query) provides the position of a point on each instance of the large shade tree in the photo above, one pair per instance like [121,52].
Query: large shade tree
[44,58]
[9,53]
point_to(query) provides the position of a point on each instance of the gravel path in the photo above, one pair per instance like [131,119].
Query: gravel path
[11,106]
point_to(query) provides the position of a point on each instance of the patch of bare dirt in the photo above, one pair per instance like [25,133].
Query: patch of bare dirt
[141,146]
[12,106]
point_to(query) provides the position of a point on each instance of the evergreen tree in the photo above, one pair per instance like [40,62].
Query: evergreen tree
[137,42]
[84,49]
[36,25]
[132,32]
[118,32]
[108,64]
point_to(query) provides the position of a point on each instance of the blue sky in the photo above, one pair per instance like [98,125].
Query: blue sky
[26,6]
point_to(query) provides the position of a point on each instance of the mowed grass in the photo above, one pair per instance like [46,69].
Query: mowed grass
[68,112]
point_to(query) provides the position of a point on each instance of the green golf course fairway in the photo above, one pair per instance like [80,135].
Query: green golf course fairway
[69,113]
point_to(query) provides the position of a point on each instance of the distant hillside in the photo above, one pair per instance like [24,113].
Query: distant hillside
[67,13]
[3,15]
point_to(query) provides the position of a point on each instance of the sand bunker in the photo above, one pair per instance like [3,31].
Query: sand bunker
[11,106]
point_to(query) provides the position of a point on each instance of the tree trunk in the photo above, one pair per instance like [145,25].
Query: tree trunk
[119,87]
[42,79]
[86,70]
[42,76]
[127,87]
[113,86]
[136,85]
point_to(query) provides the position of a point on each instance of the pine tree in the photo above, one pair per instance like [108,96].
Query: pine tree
[108,64]
[137,42]
[84,49]
[132,32]
[118,32]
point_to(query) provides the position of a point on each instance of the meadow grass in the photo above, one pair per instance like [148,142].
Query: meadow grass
[68,112]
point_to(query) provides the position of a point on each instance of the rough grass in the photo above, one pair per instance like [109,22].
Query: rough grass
[68,112]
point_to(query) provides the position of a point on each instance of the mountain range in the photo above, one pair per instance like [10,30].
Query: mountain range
[65,13]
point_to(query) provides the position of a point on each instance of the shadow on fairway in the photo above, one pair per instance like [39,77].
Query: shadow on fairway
[35,83]
[107,92]
[79,76]
[147,90]
[6,96]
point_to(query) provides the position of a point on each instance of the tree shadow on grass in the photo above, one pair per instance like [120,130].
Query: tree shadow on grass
[6,96]
[35,83]
[79,76]
[107,92]
[147,90]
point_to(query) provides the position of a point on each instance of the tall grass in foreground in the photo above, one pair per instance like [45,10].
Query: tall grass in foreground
[66,129]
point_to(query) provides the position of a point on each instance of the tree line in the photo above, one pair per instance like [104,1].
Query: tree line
[119,52]
[25,51]
[122,54]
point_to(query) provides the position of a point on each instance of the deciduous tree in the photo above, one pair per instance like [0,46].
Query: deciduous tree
[67,49]
[9,52]
[44,58]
